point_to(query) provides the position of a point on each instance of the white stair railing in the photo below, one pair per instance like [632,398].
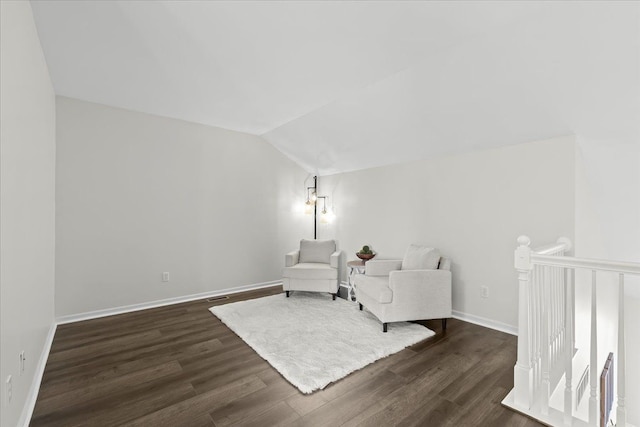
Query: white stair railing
[546,332]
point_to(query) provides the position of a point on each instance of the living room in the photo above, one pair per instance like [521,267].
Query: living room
[151,137]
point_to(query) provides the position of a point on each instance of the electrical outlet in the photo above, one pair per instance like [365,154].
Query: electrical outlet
[484,291]
[165,276]
[22,359]
[9,389]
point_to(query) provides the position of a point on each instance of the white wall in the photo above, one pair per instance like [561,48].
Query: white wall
[138,195]
[27,197]
[608,185]
[472,206]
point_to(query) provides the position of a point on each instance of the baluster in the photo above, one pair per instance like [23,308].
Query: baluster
[573,312]
[522,373]
[561,311]
[561,291]
[535,321]
[539,314]
[545,390]
[567,296]
[621,412]
[568,354]
[555,315]
[556,312]
[552,315]
[593,378]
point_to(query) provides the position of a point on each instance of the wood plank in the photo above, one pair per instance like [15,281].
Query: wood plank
[56,401]
[403,401]
[91,362]
[470,386]
[254,404]
[119,408]
[339,411]
[279,415]
[194,408]
[106,372]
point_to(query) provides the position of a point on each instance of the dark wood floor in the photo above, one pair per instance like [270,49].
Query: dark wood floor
[180,366]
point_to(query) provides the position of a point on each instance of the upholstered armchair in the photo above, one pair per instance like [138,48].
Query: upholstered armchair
[417,287]
[315,267]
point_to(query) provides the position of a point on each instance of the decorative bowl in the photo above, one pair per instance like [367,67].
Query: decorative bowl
[365,257]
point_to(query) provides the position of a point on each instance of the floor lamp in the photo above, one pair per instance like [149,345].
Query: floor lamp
[312,199]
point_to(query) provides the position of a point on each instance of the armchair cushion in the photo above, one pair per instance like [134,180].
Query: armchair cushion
[382,267]
[316,250]
[420,257]
[311,271]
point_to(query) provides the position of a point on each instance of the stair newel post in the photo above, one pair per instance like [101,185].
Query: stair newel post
[523,373]
[621,412]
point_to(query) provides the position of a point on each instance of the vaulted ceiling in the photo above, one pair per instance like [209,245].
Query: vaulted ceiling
[340,86]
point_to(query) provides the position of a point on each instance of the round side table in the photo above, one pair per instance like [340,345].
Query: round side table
[356,266]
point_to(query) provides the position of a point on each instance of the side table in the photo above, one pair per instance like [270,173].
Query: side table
[355,267]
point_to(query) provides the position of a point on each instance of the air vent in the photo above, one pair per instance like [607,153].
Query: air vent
[212,299]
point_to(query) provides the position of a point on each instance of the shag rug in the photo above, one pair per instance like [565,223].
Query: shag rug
[313,341]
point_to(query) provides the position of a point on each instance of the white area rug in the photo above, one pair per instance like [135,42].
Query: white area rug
[312,340]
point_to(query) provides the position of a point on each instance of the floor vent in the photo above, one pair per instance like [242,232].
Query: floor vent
[212,299]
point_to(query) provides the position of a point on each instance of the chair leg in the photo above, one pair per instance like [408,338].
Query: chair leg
[334,296]
[360,306]
[384,327]
[287,294]
[444,324]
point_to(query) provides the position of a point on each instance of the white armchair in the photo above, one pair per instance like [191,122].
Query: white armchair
[315,267]
[415,288]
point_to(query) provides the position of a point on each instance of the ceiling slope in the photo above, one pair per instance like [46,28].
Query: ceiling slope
[341,86]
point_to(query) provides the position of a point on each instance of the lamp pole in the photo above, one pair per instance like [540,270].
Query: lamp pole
[315,208]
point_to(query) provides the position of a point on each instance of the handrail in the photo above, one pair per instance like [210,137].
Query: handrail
[588,263]
[563,244]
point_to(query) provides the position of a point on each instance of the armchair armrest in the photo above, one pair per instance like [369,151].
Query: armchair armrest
[382,267]
[430,288]
[334,261]
[291,258]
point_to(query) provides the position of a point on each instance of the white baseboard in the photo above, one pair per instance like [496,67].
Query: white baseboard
[487,323]
[32,396]
[159,303]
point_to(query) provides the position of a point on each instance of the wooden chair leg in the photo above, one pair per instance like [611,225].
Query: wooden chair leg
[384,327]
[287,294]
[444,324]
[360,306]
